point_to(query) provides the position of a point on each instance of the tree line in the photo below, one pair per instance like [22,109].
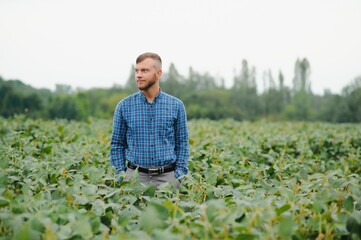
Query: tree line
[203,95]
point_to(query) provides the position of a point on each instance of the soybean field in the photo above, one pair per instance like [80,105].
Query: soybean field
[247,180]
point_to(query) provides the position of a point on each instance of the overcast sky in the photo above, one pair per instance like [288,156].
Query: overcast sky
[93,43]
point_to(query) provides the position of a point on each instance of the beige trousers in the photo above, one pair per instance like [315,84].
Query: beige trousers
[145,178]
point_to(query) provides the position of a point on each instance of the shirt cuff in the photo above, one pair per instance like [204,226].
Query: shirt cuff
[119,170]
[179,175]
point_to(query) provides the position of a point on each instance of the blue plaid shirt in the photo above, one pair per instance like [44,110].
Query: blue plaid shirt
[150,134]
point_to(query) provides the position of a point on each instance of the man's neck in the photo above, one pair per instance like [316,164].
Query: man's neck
[151,93]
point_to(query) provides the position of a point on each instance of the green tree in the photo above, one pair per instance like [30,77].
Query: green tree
[18,98]
[32,105]
[244,100]
[273,98]
[131,84]
[352,97]
[300,107]
[63,89]
[63,106]
[172,82]
[301,80]
[83,109]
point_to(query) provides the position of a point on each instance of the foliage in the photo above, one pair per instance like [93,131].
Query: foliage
[203,95]
[18,98]
[247,180]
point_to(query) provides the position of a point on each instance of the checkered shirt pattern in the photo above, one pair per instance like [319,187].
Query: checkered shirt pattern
[150,134]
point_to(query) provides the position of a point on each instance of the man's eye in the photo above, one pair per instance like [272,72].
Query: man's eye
[142,70]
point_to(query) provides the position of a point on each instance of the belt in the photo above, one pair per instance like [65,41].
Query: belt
[153,171]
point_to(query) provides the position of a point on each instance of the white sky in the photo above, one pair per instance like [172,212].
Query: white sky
[93,43]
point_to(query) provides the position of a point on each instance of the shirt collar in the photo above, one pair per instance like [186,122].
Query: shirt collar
[159,95]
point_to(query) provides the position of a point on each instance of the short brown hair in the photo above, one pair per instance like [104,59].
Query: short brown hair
[151,55]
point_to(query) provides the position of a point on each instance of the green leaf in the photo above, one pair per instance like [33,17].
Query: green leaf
[48,149]
[89,189]
[95,224]
[240,217]
[303,174]
[214,210]
[150,191]
[27,233]
[96,174]
[3,180]
[81,200]
[150,219]
[49,234]
[319,205]
[4,163]
[98,207]
[161,210]
[154,216]
[247,236]
[124,218]
[37,225]
[348,204]
[286,226]
[106,219]
[265,185]
[83,228]
[4,202]
[283,209]
[353,224]
[211,177]
[110,194]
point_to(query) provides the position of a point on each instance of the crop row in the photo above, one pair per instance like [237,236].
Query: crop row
[247,180]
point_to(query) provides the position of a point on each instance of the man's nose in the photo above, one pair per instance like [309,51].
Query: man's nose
[139,74]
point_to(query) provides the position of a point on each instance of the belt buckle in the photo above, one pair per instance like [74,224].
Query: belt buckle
[153,171]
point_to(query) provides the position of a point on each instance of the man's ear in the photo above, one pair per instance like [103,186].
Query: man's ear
[159,73]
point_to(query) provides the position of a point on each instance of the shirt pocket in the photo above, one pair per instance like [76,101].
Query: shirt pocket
[165,125]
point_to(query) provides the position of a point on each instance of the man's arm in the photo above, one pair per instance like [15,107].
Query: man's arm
[118,142]
[181,143]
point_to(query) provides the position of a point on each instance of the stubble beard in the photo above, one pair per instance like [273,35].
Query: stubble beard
[148,85]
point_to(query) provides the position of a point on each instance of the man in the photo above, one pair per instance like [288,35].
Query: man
[150,131]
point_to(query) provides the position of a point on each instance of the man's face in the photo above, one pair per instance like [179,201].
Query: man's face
[147,73]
